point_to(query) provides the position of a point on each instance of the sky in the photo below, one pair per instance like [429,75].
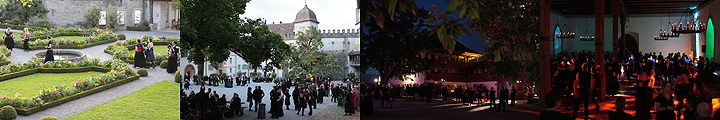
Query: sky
[471,41]
[332,14]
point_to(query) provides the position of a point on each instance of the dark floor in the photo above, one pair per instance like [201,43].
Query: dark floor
[407,108]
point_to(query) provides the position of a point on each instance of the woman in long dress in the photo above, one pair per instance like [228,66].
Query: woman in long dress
[139,56]
[349,108]
[172,58]
[9,43]
[26,40]
[150,55]
[49,54]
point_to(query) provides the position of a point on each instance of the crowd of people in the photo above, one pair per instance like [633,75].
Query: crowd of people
[145,57]
[467,95]
[577,80]
[304,96]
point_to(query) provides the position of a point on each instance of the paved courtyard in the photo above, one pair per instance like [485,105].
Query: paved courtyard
[325,111]
[79,105]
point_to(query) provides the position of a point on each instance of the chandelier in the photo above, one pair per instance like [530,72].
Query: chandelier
[565,33]
[661,38]
[688,27]
[665,34]
[587,37]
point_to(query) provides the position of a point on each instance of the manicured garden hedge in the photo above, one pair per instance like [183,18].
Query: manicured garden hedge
[79,95]
[92,37]
[117,73]
[138,28]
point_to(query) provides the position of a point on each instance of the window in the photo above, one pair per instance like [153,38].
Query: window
[102,17]
[137,17]
[238,67]
[209,67]
[558,42]
[710,39]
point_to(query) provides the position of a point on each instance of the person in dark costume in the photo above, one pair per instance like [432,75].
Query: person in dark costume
[139,56]
[49,54]
[664,103]
[321,94]
[491,98]
[349,108]
[250,98]
[366,103]
[172,58]
[258,94]
[26,40]
[512,97]
[583,83]
[150,55]
[302,105]
[9,42]
[295,95]
[503,98]
[286,92]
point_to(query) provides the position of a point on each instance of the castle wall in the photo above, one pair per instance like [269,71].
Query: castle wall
[71,12]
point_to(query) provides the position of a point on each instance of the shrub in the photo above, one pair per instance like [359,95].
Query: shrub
[143,72]
[41,24]
[71,91]
[121,37]
[8,112]
[92,17]
[17,22]
[145,23]
[163,64]
[49,118]
[9,22]
[178,76]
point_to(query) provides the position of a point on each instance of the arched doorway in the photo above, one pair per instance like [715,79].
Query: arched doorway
[558,41]
[189,68]
[630,43]
[710,40]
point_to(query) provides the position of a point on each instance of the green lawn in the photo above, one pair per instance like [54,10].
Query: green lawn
[160,49]
[29,86]
[159,101]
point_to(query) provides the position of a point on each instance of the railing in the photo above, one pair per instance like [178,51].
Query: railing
[449,62]
[354,63]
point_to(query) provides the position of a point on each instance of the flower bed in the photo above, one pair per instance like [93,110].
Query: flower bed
[90,37]
[124,49]
[117,73]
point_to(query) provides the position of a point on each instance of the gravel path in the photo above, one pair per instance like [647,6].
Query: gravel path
[76,106]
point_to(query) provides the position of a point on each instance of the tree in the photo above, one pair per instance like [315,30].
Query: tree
[111,18]
[351,75]
[510,27]
[175,4]
[92,18]
[307,59]
[24,9]
[395,50]
[212,29]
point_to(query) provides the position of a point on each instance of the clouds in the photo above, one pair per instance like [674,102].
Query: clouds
[332,14]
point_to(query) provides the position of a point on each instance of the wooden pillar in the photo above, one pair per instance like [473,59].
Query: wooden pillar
[599,43]
[543,87]
[615,12]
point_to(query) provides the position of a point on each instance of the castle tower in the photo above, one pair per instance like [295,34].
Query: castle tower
[304,19]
